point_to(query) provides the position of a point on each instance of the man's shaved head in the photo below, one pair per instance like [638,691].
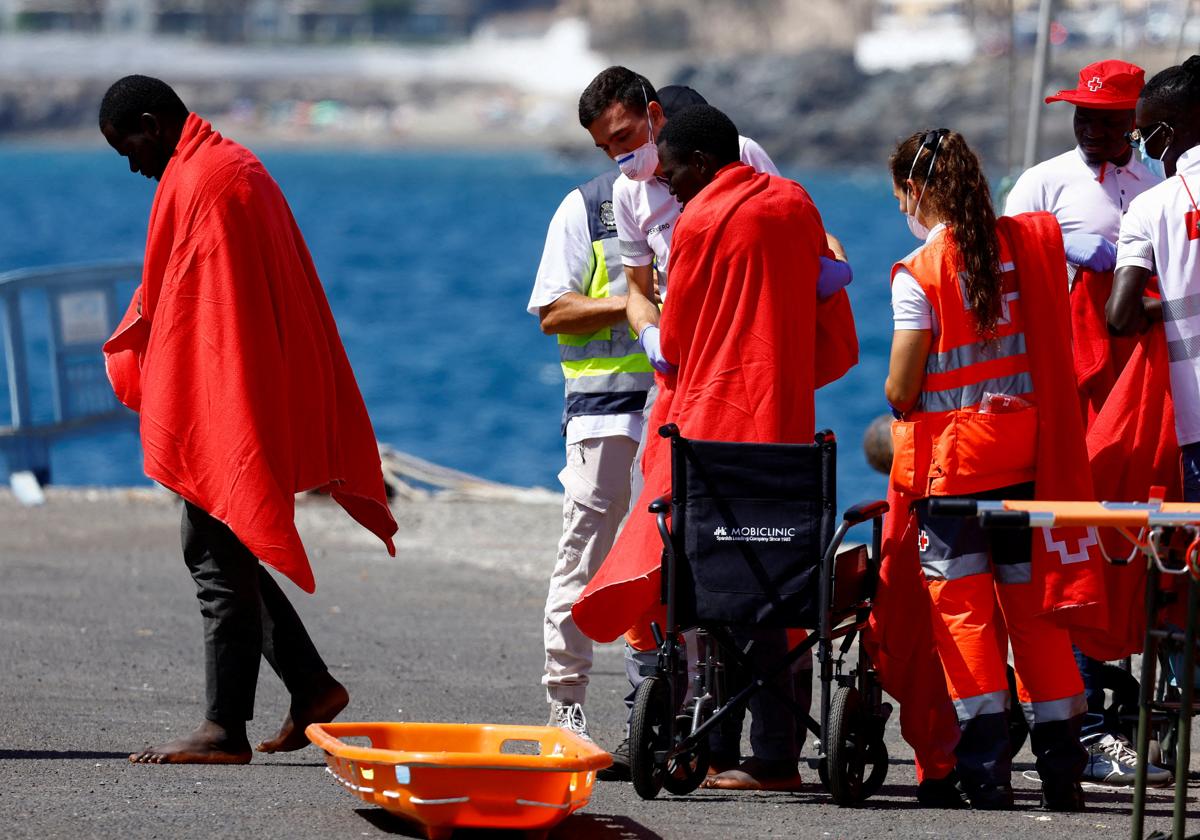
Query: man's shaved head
[697,143]
[128,98]
[142,118]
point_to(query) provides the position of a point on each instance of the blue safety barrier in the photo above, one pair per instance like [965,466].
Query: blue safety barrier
[53,321]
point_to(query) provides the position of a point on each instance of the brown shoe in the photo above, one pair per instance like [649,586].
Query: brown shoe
[757,774]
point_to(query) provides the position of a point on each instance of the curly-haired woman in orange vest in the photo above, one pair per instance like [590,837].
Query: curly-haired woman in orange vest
[962,382]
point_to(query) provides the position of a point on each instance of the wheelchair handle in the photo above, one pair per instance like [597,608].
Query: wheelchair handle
[660,505]
[952,507]
[670,430]
[864,511]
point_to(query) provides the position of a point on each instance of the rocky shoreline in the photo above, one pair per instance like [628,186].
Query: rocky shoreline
[811,109]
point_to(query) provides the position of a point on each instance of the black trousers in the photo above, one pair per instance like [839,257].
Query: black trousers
[246,617]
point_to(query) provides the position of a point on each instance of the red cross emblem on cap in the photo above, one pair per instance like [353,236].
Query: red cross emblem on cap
[922,541]
[1094,84]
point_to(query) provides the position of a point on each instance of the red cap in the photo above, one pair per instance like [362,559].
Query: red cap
[1107,85]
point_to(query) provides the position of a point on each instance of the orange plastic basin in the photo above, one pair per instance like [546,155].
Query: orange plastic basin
[464,775]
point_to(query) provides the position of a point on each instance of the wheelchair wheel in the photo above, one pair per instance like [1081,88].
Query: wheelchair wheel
[877,758]
[850,748]
[652,709]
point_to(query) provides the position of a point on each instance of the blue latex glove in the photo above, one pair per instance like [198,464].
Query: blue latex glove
[649,341]
[835,276]
[1090,250]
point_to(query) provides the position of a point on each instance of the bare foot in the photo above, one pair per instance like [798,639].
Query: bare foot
[757,774]
[211,743]
[323,707]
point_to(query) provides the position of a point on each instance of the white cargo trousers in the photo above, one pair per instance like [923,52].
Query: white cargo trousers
[596,488]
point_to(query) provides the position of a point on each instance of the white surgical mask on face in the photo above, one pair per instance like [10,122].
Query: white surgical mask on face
[917,229]
[1154,164]
[642,162]
[914,226]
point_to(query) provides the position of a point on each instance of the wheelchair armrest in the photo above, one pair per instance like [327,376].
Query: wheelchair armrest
[953,507]
[660,505]
[864,511]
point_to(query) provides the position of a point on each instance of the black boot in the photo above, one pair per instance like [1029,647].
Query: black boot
[941,793]
[985,762]
[1061,760]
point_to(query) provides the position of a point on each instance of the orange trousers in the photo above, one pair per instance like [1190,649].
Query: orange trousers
[975,619]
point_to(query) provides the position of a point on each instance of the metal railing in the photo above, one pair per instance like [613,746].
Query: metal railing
[53,321]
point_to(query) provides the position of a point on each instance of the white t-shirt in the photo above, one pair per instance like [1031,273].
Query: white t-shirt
[566,258]
[1084,198]
[911,309]
[1154,236]
[646,213]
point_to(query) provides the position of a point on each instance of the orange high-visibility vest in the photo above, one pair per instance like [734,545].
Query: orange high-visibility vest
[945,445]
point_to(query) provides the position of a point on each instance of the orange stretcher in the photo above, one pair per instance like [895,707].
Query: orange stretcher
[445,776]
[1157,531]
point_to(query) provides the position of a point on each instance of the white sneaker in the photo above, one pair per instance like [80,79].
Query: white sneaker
[1111,761]
[569,716]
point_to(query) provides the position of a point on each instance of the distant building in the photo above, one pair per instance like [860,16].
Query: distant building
[264,20]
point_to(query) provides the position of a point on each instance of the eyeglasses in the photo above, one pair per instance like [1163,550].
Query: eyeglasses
[1140,135]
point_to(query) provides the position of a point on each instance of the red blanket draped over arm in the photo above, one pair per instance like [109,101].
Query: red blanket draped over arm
[235,365]
[1067,564]
[740,323]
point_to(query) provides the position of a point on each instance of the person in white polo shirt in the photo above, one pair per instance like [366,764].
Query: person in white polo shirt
[1160,234]
[1089,189]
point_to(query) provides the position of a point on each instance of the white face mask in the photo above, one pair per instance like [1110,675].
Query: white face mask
[914,226]
[1154,164]
[642,162]
[917,229]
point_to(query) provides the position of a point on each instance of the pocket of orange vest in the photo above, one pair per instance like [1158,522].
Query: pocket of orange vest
[985,450]
[912,449]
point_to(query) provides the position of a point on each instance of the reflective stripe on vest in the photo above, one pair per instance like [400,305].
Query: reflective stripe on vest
[958,375]
[606,372]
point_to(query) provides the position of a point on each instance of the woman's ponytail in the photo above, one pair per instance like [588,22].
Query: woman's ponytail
[953,187]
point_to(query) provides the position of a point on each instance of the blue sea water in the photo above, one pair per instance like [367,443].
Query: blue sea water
[428,260]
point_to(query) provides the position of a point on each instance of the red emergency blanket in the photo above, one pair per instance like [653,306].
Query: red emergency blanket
[234,362]
[1132,447]
[740,325]
[900,641]
[1067,564]
[1099,356]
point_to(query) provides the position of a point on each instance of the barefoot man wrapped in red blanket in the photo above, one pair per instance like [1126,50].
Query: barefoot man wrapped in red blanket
[741,328]
[230,355]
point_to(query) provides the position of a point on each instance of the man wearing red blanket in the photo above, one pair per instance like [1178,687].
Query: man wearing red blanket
[230,355]
[739,328]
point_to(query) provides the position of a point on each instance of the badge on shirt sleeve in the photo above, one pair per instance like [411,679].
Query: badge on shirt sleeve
[1192,220]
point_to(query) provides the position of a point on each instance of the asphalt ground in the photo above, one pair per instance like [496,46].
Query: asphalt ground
[100,654]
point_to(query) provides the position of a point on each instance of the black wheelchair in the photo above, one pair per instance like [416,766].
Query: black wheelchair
[751,542]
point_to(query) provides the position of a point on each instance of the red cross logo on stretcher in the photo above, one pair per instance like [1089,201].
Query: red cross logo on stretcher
[1094,84]
[922,541]
[1058,540]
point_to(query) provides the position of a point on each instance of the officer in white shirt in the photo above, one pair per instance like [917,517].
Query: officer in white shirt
[1089,188]
[622,112]
[1161,235]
